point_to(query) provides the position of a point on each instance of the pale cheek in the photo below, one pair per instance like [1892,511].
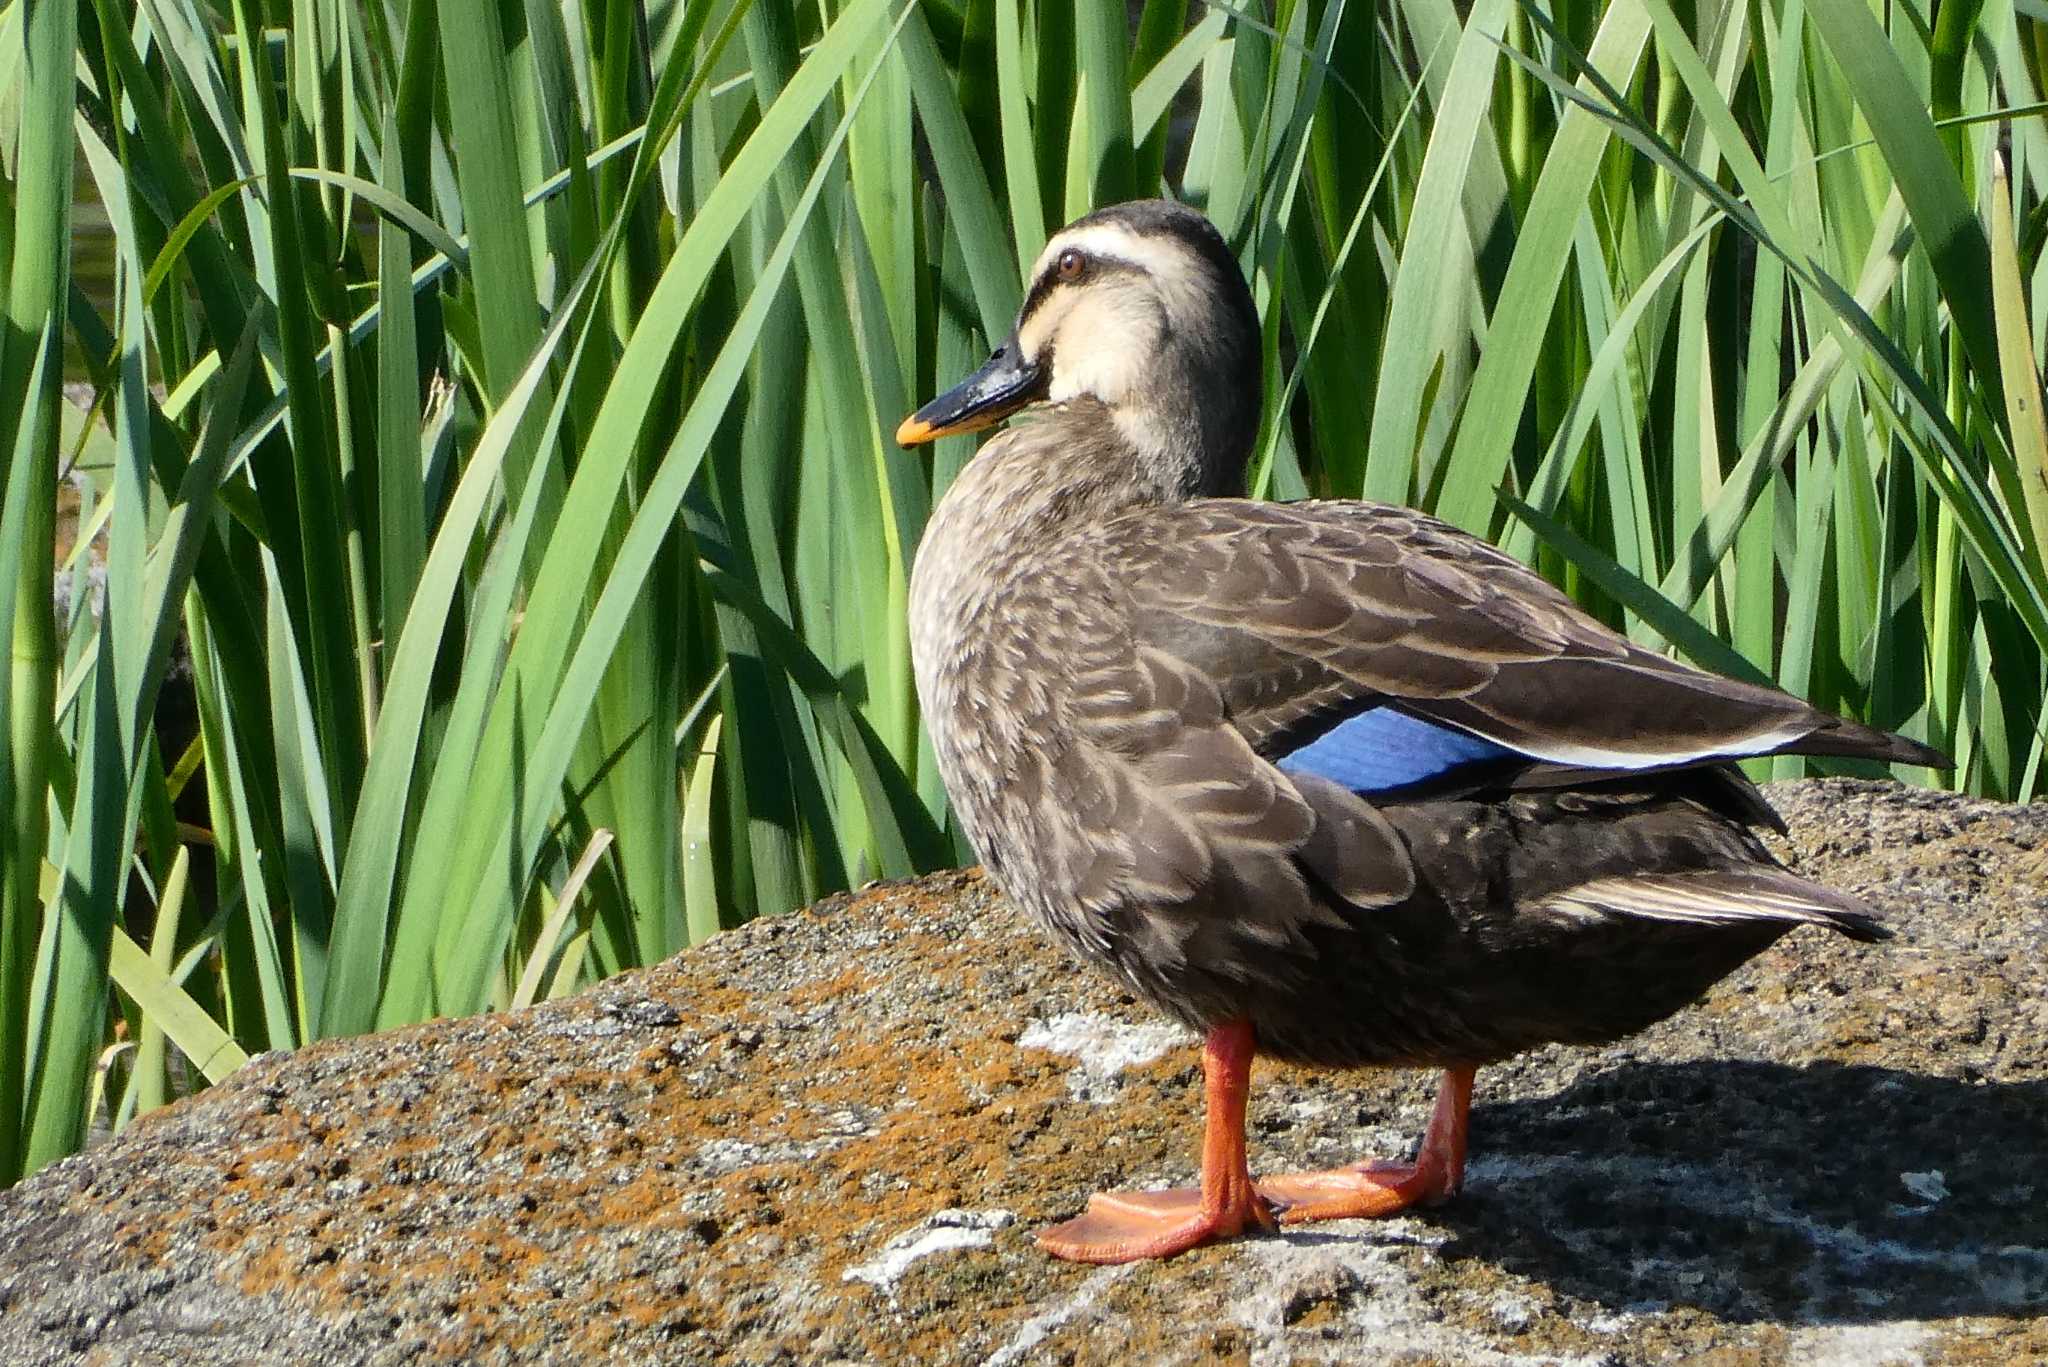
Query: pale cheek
[1109,376]
[1099,350]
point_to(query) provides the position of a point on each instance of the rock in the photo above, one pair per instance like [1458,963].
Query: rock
[828,1138]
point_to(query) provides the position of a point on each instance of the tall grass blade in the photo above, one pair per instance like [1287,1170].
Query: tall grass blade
[30,352]
[2021,376]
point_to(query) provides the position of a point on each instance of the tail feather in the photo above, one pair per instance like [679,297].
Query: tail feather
[1725,897]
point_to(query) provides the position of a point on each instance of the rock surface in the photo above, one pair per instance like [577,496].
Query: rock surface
[828,1137]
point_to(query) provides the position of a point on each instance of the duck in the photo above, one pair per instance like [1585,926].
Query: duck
[1331,782]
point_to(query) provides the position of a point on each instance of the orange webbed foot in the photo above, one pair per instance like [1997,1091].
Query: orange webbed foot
[1125,1226]
[1371,1190]
[1362,1191]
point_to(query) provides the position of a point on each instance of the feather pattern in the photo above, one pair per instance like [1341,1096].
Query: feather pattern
[1721,897]
[1127,700]
[1360,601]
[1335,768]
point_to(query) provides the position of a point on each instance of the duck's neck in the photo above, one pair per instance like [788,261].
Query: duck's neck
[1059,471]
[1063,467]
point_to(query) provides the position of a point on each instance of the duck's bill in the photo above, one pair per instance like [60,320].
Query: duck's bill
[981,400]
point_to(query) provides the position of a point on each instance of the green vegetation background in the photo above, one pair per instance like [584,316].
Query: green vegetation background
[497,397]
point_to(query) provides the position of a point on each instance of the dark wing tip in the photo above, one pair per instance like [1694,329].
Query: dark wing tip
[1865,929]
[1853,740]
[1913,752]
[1839,911]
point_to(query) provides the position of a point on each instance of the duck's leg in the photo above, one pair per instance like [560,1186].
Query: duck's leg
[1369,1188]
[1125,1226]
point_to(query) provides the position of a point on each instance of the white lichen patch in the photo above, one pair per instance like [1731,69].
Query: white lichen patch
[1901,1344]
[1513,1312]
[1607,1322]
[1103,1046]
[721,1156]
[946,1232]
[1931,1187]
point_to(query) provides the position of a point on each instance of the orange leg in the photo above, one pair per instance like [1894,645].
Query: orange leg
[1370,1189]
[1125,1226]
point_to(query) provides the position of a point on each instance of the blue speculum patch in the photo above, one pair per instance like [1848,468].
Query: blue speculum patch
[1383,749]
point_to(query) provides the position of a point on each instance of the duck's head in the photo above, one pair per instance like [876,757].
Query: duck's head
[1141,308]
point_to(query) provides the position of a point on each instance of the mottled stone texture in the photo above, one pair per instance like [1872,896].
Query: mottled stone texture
[829,1136]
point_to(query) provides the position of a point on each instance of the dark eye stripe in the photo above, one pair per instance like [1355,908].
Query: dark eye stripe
[1041,287]
[1049,279]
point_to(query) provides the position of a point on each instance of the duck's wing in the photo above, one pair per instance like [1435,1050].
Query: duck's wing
[1109,788]
[1384,650]
[1198,726]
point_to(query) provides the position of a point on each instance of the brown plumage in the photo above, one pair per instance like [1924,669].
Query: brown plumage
[1331,780]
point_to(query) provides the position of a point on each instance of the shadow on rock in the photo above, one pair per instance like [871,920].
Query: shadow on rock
[1816,1195]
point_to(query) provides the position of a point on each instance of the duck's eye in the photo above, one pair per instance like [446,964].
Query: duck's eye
[1071,264]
